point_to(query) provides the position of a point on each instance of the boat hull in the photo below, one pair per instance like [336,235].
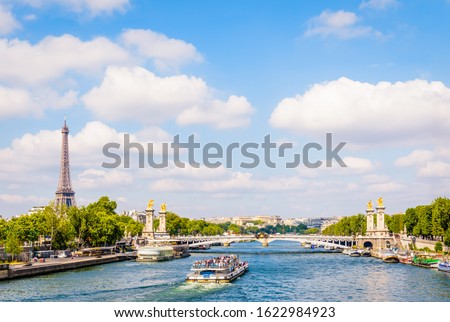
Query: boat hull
[391,259]
[444,267]
[426,262]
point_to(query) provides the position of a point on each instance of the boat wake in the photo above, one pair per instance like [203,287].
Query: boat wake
[187,292]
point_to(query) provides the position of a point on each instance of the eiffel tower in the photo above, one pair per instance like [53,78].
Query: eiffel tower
[64,194]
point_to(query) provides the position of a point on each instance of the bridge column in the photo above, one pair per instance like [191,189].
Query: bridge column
[148,230]
[265,243]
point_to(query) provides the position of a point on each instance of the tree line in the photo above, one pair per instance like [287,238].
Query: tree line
[98,224]
[94,225]
[176,225]
[427,221]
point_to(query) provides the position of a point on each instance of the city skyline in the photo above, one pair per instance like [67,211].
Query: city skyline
[370,72]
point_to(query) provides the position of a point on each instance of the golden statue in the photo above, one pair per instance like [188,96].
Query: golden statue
[163,207]
[369,205]
[150,204]
[380,202]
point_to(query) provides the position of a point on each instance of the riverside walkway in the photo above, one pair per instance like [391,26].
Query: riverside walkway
[52,265]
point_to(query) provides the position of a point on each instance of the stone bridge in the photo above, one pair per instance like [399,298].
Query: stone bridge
[331,241]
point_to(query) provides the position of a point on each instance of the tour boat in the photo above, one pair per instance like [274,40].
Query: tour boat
[444,266]
[222,269]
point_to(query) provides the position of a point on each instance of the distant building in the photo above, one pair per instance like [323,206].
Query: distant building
[292,222]
[218,220]
[313,222]
[266,220]
[36,209]
[329,222]
[138,216]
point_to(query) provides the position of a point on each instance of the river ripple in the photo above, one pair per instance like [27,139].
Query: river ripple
[281,272]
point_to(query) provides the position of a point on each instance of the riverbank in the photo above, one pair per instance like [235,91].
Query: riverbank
[52,265]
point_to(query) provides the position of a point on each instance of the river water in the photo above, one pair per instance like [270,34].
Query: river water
[281,272]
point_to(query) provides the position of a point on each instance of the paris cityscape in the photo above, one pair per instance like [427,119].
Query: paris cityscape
[257,152]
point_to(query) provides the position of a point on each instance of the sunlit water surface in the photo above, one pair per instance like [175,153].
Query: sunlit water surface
[281,272]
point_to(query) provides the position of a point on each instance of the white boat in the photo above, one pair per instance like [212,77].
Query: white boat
[444,266]
[355,253]
[347,251]
[224,269]
[155,253]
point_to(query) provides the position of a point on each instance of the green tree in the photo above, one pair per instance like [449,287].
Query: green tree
[410,220]
[13,245]
[440,216]
[447,238]
[252,230]
[106,229]
[3,230]
[80,220]
[396,223]
[234,228]
[347,226]
[311,231]
[129,226]
[438,247]
[424,221]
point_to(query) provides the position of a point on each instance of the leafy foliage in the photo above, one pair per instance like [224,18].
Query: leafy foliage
[94,225]
[348,226]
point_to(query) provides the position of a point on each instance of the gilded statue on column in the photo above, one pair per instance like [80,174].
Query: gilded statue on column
[150,204]
[163,207]
[369,205]
[380,202]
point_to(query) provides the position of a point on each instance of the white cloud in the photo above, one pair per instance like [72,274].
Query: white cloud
[30,17]
[417,157]
[385,187]
[16,102]
[428,163]
[94,179]
[135,93]
[57,56]
[340,24]
[358,165]
[40,152]
[235,181]
[19,199]
[138,94]
[92,7]
[435,169]
[384,113]
[167,53]
[235,112]
[7,21]
[378,4]
[53,57]
[375,178]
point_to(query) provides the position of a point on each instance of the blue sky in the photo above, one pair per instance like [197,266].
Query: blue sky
[374,73]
